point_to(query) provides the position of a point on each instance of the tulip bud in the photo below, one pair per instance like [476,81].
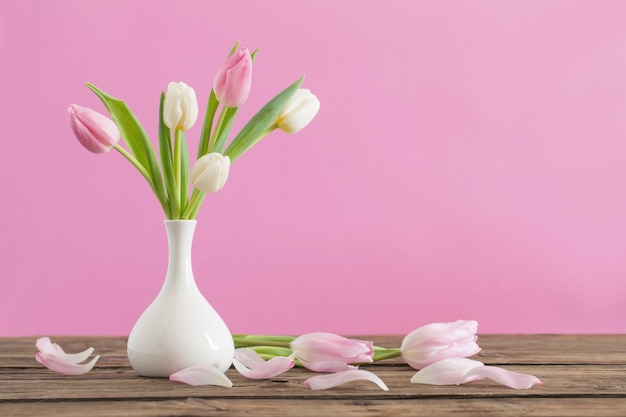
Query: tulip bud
[233,81]
[94,131]
[437,341]
[210,172]
[298,112]
[328,352]
[180,107]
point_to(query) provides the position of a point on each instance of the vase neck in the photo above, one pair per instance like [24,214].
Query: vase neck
[179,268]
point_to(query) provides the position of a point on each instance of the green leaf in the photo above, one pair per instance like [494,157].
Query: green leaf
[207,126]
[232,51]
[260,123]
[165,150]
[224,131]
[137,140]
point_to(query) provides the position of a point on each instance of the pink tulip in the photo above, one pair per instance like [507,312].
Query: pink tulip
[233,81]
[54,358]
[455,371]
[339,378]
[434,342]
[94,131]
[327,352]
[251,365]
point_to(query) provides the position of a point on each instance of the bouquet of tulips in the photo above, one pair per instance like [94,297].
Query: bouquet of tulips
[289,111]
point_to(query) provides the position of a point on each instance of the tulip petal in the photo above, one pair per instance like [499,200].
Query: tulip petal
[201,375]
[339,378]
[502,376]
[451,371]
[327,366]
[58,364]
[45,346]
[251,365]
[248,357]
[53,357]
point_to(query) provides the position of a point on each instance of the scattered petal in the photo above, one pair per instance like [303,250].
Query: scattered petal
[58,364]
[449,371]
[339,378]
[248,357]
[53,357]
[201,375]
[45,346]
[327,366]
[502,376]
[456,371]
[251,365]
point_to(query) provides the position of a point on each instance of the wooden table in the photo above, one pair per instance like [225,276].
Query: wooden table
[582,376]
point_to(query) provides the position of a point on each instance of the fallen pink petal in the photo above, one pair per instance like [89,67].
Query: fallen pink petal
[327,366]
[449,371]
[248,357]
[320,382]
[502,376]
[251,365]
[456,371]
[201,375]
[53,357]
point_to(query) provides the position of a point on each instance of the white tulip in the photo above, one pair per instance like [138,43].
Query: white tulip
[210,172]
[180,108]
[298,112]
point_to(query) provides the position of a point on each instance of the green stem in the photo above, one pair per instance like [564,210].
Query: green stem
[249,341]
[216,131]
[135,163]
[176,158]
[382,354]
[194,204]
[257,140]
[146,175]
[176,167]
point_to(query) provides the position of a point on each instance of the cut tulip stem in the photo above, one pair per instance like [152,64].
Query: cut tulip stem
[218,128]
[194,204]
[251,341]
[383,353]
[146,175]
[177,158]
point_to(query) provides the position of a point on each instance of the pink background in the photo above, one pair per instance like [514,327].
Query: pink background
[468,161]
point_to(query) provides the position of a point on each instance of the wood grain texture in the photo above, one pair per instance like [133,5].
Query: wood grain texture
[583,375]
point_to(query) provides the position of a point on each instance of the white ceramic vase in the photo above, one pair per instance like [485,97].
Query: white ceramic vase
[180,328]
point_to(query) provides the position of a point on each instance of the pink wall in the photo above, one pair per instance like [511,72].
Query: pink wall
[468,161]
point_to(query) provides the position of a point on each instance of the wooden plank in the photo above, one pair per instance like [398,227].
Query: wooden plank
[193,407]
[582,375]
[124,384]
